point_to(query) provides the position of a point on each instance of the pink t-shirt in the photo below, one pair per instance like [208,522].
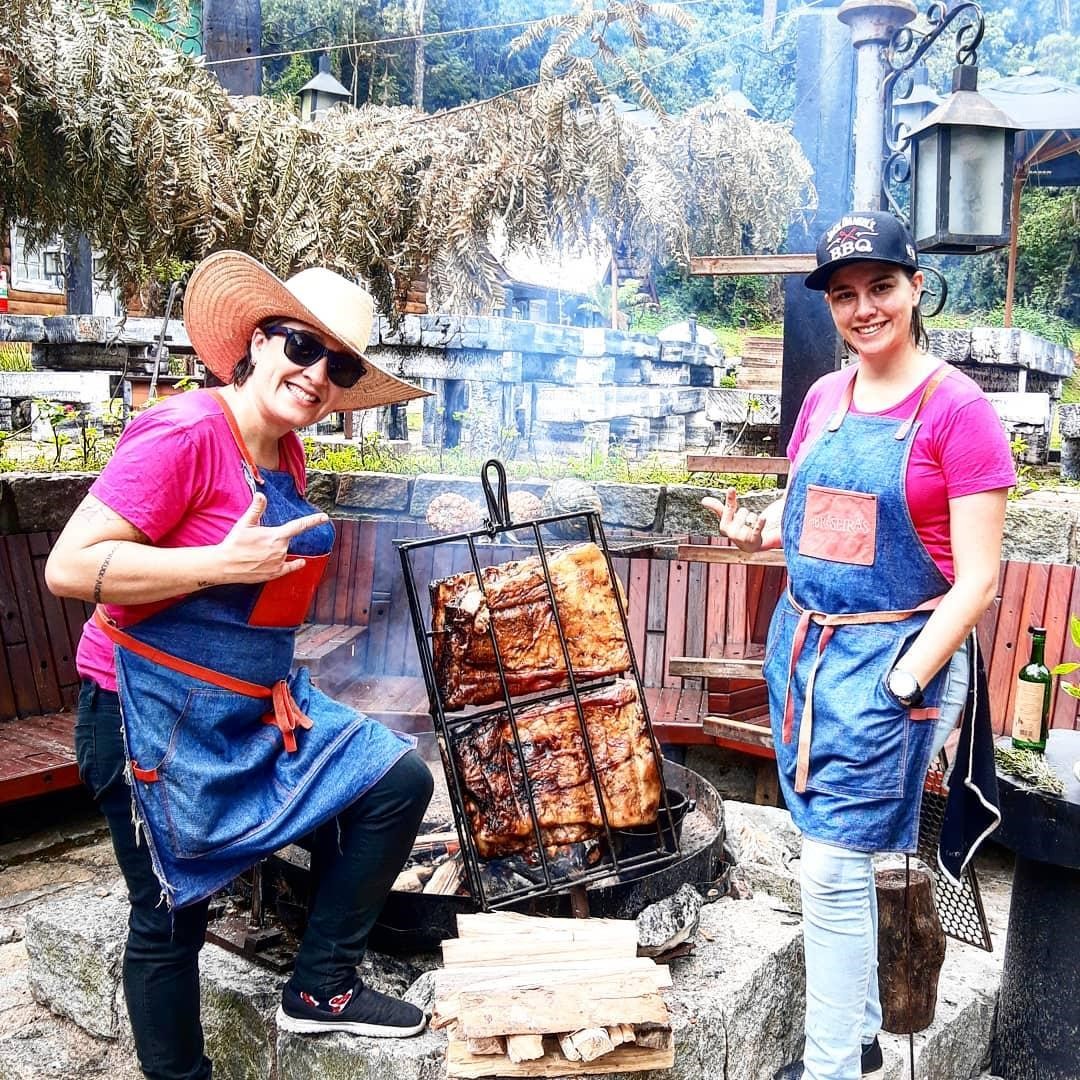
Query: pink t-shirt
[960,448]
[176,475]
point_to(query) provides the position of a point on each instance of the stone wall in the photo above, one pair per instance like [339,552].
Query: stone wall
[1041,527]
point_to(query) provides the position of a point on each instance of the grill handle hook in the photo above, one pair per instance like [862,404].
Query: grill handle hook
[497,502]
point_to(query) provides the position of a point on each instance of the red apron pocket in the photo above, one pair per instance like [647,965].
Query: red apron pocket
[285,601]
[840,526]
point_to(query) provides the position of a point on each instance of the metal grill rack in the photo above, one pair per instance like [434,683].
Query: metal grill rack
[960,908]
[501,881]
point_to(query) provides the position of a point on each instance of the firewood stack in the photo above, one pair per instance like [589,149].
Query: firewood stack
[525,996]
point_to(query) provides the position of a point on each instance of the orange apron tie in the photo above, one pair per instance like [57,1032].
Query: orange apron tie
[286,715]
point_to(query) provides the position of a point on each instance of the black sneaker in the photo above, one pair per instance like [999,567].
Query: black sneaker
[872,1064]
[359,1011]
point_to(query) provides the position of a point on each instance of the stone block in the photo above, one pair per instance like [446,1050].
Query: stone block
[72,386]
[406,332]
[1024,408]
[663,373]
[682,510]
[568,370]
[372,492]
[427,486]
[1069,421]
[765,846]
[633,506]
[322,488]
[36,502]
[239,1000]
[75,946]
[1046,536]
[669,922]
[349,1057]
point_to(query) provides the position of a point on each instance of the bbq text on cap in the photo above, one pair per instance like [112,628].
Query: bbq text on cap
[874,235]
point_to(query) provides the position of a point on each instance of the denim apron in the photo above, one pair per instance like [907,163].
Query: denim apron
[861,585]
[230,756]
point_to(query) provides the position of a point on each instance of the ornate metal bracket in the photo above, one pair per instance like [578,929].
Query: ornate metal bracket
[906,48]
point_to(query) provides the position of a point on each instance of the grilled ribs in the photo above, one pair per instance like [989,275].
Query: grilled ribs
[515,600]
[558,770]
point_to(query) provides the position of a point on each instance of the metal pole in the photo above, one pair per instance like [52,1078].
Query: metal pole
[872,23]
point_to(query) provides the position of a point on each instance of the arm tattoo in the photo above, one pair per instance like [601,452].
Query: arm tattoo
[101,572]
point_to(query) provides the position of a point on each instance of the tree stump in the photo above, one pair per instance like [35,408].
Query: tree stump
[909,962]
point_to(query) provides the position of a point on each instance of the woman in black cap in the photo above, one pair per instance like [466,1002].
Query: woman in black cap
[891,529]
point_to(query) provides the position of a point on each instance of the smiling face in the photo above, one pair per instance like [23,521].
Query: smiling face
[288,395]
[872,304]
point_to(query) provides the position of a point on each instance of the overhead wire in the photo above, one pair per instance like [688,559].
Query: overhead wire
[428,35]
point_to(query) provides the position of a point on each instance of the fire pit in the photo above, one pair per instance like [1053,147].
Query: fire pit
[417,921]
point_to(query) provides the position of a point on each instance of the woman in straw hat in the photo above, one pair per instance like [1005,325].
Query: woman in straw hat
[202,555]
[891,529]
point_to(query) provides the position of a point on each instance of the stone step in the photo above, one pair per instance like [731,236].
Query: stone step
[736,1004]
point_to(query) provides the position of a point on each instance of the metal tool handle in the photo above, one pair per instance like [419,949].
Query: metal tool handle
[497,502]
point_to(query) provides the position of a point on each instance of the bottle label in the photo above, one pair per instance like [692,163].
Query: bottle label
[1027,715]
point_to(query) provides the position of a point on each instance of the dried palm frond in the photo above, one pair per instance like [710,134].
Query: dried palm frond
[105,130]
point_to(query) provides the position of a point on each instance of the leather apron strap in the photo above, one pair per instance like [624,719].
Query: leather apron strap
[285,715]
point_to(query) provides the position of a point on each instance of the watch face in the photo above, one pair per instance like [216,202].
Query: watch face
[903,684]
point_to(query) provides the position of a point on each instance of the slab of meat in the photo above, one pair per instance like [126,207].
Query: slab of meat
[515,600]
[558,770]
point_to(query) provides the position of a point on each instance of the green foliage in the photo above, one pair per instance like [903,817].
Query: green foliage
[15,356]
[1031,766]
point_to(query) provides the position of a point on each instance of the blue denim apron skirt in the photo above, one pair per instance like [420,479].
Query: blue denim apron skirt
[221,777]
[861,585]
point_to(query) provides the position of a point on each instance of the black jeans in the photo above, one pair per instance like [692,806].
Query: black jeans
[355,859]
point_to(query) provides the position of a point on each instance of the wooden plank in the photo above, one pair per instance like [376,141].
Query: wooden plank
[37,756]
[1004,662]
[774,581]
[28,600]
[730,555]
[727,463]
[474,977]
[1056,619]
[654,668]
[627,1058]
[363,570]
[386,568]
[637,594]
[716,607]
[625,999]
[725,265]
[1032,607]
[421,562]
[707,667]
[738,621]
[346,548]
[696,596]
[675,623]
[739,731]
[1071,652]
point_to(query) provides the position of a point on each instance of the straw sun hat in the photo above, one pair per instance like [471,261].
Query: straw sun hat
[229,294]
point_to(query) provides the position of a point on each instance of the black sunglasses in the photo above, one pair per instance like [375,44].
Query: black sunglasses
[305,349]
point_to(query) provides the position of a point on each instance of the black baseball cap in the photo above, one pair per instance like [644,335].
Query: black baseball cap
[865,236]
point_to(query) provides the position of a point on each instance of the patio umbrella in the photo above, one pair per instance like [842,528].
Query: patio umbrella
[1047,147]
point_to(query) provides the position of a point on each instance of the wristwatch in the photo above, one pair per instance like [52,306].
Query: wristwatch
[904,687]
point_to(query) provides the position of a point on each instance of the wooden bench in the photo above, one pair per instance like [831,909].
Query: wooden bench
[38,682]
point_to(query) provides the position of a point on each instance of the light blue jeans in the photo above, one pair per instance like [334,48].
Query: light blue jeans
[843,1010]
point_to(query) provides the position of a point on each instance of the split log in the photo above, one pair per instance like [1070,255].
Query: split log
[653,1036]
[909,960]
[516,1012]
[412,879]
[493,1044]
[524,1047]
[590,1043]
[461,1064]
[569,1050]
[446,878]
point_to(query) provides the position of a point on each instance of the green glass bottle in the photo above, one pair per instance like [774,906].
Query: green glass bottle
[1031,713]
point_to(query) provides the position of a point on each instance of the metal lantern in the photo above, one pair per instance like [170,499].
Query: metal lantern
[321,93]
[961,175]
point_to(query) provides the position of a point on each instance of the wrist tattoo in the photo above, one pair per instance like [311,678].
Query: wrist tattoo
[101,572]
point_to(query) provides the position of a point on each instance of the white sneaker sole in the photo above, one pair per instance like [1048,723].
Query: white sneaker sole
[352,1027]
